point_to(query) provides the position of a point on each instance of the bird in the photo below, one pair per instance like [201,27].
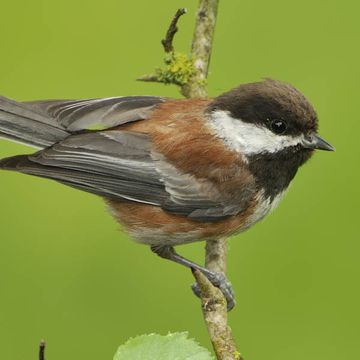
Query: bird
[172,171]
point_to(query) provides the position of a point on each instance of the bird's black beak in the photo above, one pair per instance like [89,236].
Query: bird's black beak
[314,141]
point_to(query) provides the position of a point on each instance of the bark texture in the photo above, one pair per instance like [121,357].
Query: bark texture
[201,48]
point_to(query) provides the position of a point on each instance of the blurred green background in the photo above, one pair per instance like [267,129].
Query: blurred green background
[69,276]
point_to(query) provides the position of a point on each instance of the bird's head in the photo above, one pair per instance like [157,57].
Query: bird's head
[267,117]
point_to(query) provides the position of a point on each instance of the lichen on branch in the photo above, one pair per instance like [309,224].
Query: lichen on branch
[178,70]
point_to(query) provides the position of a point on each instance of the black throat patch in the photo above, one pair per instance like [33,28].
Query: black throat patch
[274,171]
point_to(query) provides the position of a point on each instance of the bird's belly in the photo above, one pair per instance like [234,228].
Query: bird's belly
[153,226]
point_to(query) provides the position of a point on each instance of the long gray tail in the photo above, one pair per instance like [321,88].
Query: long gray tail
[19,122]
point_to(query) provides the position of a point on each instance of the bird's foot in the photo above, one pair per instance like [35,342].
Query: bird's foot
[220,281]
[217,279]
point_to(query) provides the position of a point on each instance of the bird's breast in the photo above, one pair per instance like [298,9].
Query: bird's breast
[264,206]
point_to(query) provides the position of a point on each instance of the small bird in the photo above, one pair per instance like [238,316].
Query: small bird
[172,171]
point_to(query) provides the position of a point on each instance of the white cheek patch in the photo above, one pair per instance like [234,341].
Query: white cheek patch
[247,138]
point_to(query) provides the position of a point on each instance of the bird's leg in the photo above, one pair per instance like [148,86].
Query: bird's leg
[217,279]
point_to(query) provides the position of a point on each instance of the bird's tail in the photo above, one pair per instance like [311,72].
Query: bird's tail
[21,123]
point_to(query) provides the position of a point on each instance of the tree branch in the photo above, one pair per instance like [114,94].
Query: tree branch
[213,302]
[214,309]
[201,48]
[216,255]
[150,78]
[192,84]
[42,350]
[172,30]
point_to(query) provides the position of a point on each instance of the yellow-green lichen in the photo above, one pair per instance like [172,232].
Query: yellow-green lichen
[178,69]
[237,355]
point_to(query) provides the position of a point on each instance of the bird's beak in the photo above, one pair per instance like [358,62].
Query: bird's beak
[314,141]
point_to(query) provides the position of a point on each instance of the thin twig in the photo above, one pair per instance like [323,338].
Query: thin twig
[149,78]
[214,310]
[169,49]
[42,350]
[172,30]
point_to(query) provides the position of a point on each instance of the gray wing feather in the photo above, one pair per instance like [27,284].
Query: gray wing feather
[21,109]
[187,195]
[75,115]
[19,123]
[116,163]
[122,165]
[44,123]
[199,199]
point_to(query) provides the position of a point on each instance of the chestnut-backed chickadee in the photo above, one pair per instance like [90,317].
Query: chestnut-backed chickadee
[172,171]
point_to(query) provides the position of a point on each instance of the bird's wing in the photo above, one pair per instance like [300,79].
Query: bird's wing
[77,115]
[123,165]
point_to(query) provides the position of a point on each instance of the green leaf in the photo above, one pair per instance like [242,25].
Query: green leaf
[158,347]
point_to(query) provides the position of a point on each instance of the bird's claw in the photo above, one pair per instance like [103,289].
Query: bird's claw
[220,281]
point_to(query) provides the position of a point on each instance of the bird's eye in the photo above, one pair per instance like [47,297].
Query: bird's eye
[278,126]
